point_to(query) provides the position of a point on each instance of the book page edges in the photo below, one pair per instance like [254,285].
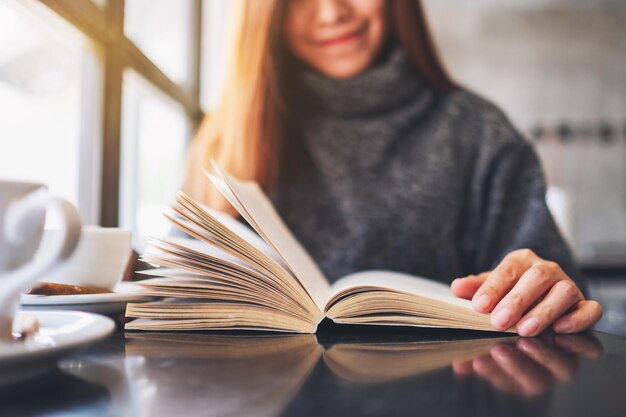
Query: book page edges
[254,206]
[396,281]
[424,288]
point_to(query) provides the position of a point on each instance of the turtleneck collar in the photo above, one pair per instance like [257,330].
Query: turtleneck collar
[390,82]
[353,125]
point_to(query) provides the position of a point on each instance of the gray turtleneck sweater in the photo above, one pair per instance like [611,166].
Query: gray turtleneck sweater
[391,174]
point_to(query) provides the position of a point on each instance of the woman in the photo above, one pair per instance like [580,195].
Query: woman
[342,111]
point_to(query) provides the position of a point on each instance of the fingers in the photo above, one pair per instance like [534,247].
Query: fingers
[487,368]
[528,289]
[563,295]
[502,279]
[532,366]
[584,315]
[561,364]
[532,378]
[462,368]
[585,345]
[467,286]
[517,284]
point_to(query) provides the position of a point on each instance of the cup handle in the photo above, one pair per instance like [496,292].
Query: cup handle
[21,220]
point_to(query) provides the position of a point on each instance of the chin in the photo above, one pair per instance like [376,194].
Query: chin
[345,70]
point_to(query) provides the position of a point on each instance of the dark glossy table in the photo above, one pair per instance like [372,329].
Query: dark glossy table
[341,371]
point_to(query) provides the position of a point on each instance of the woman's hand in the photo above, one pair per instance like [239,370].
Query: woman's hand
[530,367]
[531,294]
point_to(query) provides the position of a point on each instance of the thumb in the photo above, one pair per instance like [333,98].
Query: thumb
[466,287]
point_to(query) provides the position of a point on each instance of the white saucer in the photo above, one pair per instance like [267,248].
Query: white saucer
[105,303]
[59,333]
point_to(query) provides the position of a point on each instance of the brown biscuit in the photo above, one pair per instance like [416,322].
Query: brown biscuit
[49,288]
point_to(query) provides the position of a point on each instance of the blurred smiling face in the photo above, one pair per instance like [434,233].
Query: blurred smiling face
[339,38]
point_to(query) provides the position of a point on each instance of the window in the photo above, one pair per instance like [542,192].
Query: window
[154,137]
[102,98]
[160,29]
[47,130]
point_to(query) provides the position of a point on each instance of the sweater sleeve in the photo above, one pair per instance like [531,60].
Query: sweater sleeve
[514,213]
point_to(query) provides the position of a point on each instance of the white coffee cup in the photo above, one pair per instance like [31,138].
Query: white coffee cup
[99,260]
[23,207]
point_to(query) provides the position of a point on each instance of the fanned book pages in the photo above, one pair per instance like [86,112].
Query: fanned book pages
[227,276]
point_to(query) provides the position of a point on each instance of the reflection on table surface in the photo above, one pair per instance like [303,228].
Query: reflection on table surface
[432,372]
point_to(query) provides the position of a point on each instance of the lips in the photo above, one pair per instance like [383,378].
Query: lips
[343,38]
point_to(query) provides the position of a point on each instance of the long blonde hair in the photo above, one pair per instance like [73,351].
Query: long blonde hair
[245,132]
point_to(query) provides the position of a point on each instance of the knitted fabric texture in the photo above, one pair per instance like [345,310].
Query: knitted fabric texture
[390,174]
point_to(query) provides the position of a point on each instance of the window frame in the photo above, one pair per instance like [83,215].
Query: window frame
[105,28]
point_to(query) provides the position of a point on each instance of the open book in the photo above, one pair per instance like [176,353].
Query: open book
[228,277]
